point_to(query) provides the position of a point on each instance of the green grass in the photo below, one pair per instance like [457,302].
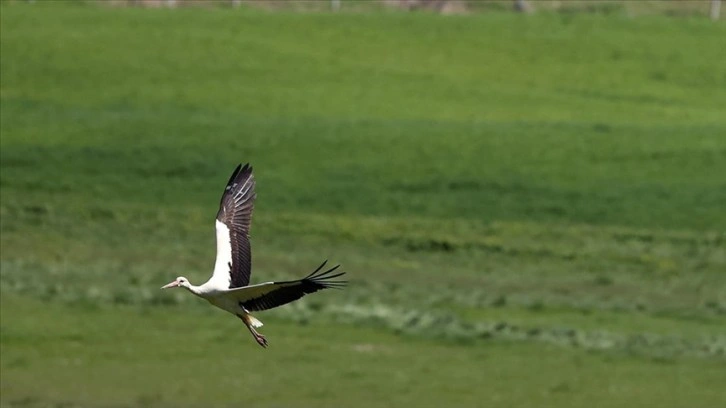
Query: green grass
[530,209]
[124,356]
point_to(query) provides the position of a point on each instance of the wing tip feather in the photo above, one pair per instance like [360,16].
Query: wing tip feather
[325,280]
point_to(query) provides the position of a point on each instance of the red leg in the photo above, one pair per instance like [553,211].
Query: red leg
[260,339]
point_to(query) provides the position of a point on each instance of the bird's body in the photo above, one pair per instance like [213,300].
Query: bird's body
[228,288]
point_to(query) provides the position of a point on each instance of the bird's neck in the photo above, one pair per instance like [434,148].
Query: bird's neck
[197,290]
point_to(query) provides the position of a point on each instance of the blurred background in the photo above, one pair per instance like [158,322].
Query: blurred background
[711,8]
[527,197]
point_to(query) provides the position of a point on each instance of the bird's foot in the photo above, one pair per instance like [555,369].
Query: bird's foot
[261,340]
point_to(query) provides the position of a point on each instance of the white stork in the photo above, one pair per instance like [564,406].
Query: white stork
[228,287]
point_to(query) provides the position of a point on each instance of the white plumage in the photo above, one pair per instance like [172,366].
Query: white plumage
[229,288]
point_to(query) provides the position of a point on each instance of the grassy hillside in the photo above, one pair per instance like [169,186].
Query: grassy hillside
[529,208]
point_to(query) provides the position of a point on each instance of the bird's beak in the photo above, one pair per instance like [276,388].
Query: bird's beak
[171,285]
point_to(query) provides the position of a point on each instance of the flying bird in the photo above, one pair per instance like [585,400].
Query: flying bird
[229,288]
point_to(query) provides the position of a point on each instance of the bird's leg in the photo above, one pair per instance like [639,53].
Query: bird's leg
[260,339]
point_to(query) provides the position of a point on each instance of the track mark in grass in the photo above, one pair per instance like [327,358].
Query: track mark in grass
[603,280]
[560,388]
[149,400]
[370,348]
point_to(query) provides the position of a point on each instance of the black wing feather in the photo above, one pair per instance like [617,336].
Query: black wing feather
[235,211]
[290,291]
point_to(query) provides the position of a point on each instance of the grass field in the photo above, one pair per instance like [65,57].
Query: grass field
[530,209]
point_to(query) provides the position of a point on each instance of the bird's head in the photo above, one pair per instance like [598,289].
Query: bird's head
[178,282]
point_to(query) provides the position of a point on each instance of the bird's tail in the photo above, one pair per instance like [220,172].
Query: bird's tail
[254,322]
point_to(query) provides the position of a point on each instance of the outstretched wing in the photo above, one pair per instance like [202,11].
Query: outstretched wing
[273,294]
[234,259]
